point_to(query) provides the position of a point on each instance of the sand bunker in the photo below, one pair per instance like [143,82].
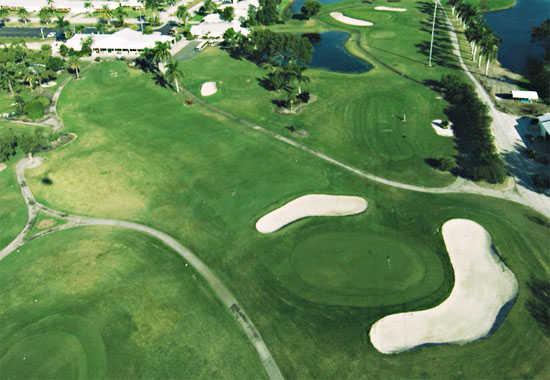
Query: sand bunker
[338,16]
[2,167]
[310,205]
[445,132]
[483,284]
[390,9]
[209,88]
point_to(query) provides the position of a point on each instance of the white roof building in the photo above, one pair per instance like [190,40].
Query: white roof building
[213,27]
[125,42]
[525,95]
[76,6]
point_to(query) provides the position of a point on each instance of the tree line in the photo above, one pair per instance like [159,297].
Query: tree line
[483,43]
[538,70]
[477,158]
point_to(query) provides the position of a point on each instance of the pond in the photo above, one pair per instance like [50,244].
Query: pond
[297,4]
[329,53]
[514,27]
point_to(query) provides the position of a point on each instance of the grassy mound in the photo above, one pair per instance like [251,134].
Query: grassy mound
[94,303]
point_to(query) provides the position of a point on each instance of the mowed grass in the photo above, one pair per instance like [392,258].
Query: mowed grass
[100,303]
[206,181]
[357,118]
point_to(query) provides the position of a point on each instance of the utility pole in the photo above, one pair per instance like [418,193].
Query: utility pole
[433,31]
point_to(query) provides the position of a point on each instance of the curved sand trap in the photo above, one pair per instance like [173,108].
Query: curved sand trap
[445,132]
[338,16]
[310,205]
[483,284]
[3,166]
[209,88]
[390,9]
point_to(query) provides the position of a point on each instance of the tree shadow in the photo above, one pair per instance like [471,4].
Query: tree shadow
[539,303]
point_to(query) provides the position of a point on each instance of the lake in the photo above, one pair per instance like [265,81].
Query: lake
[329,53]
[514,27]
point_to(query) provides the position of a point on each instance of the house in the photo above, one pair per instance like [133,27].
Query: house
[124,43]
[544,126]
[525,96]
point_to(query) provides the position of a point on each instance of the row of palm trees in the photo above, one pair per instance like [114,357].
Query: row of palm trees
[483,43]
[160,60]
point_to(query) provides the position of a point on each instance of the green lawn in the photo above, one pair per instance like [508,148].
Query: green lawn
[98,303]
[143,155]
[356,118]
[13,213]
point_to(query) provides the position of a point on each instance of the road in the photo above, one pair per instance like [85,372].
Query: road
[508,141]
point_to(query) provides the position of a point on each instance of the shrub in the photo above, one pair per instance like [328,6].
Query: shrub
[441,163]
[34,109]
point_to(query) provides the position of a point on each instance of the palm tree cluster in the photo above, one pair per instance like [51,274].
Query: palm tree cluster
[483,43]
[159,61]
[21,68]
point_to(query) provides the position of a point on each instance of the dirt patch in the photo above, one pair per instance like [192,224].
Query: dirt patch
[45,224]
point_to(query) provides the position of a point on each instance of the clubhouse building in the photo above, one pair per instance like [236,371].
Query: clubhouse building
[126,43]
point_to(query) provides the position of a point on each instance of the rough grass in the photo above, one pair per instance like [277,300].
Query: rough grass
[99,303]
[206,181]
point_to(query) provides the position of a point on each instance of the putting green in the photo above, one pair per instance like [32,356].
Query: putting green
[342,263]
[337,262]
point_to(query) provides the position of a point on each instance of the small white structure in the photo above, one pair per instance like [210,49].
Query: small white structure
[75,6]
[544,126]
[124,43]
[525,96]
[213,27]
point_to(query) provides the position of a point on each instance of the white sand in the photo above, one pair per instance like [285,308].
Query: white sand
[310,205]
[389,9]
[338,16]
[209,88]
[2,166]
[483,284]
[445,132]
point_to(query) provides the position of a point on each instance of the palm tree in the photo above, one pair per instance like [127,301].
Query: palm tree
[4,13]
[74,65]
[120,13]
[474,34]
[489,46]
[8,76]
[30,77]
[23,14]
[45,15]
[182,14]
[106,13]
[161,52]
[174,74]
[298,74]
[61,23]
